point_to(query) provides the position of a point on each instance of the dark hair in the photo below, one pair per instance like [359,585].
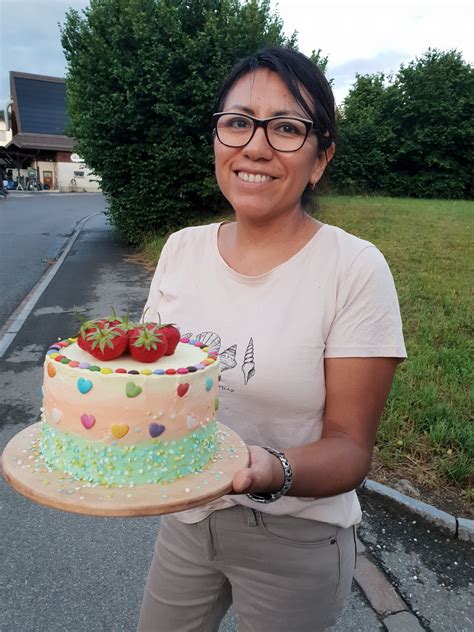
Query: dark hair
[296,71]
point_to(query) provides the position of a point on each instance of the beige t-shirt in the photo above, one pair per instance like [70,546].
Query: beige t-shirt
[334,298]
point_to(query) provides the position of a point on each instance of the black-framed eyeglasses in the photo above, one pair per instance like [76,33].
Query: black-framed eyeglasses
[283,133]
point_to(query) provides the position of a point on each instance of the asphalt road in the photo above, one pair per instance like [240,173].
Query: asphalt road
[33,230]
[63,572]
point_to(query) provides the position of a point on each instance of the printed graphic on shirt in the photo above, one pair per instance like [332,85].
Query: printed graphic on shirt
[248,367]
[228,357]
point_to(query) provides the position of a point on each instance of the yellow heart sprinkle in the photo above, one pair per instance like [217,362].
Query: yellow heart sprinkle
[119,430]
[53,355]
[105,370]
[146,372]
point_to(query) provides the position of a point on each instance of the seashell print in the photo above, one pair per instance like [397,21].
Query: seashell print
[248,367]
[227,358]
[210,339]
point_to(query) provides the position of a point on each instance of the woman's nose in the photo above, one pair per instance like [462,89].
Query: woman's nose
[258,147]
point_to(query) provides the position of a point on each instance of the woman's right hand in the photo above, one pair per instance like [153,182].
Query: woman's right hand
[263,474]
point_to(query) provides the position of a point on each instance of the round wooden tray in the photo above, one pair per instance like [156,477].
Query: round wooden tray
[25,471]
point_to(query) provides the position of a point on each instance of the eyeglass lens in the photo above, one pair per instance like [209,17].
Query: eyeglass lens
[283,134]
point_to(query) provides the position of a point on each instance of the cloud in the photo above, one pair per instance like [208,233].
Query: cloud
[30,42]
[386,62]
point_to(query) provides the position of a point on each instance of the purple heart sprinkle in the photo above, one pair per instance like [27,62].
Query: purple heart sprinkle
[84,365]
[156,430]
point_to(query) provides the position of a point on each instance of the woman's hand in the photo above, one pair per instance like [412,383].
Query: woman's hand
[264,473]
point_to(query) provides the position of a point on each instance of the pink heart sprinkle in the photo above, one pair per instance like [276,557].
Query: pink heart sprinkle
[87,421]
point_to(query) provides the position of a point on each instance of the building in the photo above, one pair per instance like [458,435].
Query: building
[40,154]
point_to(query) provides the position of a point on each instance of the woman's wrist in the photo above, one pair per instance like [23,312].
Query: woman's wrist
[281,474]
[278,474]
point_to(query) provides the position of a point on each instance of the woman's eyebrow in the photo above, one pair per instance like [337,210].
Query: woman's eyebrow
[250,111]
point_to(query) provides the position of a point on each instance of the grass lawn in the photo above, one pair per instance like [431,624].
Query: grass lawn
[427,432]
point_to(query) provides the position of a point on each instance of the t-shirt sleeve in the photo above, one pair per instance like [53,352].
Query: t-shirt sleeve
[367,320]
[154,296]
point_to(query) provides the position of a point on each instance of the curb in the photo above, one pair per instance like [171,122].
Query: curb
[384,599]
[456,527]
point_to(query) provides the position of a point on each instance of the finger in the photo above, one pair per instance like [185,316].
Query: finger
[242,480]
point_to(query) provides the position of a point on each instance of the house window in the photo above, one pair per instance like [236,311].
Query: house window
[78,174]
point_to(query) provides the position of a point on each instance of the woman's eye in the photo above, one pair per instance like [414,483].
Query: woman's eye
[288,128]
[238,123]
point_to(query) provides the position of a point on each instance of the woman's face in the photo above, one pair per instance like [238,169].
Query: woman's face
[263,94]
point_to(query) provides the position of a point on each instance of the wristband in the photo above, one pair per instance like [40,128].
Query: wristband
[270,497]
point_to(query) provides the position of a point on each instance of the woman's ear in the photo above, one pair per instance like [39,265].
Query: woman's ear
[321,163]
[330,151]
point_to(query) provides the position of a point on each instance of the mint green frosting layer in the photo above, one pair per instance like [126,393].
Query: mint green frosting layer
[113,465]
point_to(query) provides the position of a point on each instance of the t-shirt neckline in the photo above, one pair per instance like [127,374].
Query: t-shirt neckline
[261,277]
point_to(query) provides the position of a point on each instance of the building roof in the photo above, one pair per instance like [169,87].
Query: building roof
[39,112]
[42,141]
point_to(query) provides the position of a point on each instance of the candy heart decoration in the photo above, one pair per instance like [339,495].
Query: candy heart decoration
[132,389]
[182,389]
[156,430]
[84,385]
[87,421]
[209,383]
[56,415]
[51,370]
[192,422]
[119,430]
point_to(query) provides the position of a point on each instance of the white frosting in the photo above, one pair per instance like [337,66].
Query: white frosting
[185,355]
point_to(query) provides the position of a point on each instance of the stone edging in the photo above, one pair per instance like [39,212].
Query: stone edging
[456,527]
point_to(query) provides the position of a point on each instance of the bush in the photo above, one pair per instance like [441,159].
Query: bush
[410,136]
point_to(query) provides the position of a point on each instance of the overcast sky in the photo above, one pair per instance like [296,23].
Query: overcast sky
[358,37]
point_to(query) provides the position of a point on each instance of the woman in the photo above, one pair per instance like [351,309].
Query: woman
[309,329]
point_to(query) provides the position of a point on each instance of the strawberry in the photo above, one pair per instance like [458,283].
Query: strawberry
[104,342]
[87,327]
[146,343]
[118,321]
[172,336]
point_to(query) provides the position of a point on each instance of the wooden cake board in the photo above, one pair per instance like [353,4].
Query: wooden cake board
[25,471]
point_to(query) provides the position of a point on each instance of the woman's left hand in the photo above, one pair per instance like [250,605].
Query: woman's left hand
[264,473]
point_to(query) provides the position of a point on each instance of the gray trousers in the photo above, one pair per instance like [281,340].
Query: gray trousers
[282,574]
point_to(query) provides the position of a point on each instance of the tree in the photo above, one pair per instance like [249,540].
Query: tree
[432,120]
[365,138]
[321,61]
[142,77]
[411,135]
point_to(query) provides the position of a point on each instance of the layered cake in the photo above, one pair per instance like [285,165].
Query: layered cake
[122,421]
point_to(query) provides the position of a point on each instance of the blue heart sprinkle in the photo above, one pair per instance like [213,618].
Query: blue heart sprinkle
[84,385]
[209,383]
[156,430]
